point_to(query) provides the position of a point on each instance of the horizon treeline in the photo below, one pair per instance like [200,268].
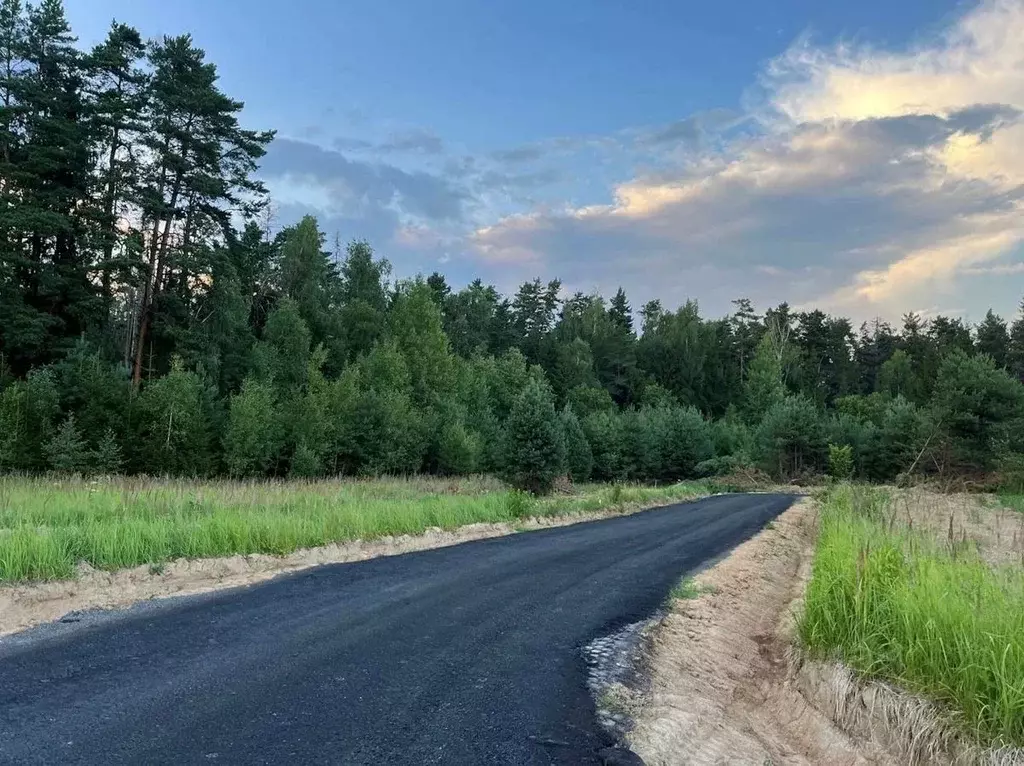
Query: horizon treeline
[150,323]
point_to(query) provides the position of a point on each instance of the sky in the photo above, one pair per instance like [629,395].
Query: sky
[864,158]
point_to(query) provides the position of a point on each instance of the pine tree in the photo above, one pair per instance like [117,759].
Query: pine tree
[791,438]
[579,459]
[458,449]
[764,388]
[364,298]
[67,451]
[534,446]
[284,353]
[118,88]
[620,313]
[309,278]
[994,339]
[46,295]
[1015,353]
[202,164]
[415,324]
[897,377]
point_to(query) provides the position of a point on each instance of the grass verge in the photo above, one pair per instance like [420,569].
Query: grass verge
[47,526]
[931,616]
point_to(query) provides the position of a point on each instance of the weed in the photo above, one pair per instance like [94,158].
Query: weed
[688,588]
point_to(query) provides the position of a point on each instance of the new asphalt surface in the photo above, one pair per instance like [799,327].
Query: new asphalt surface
[460,655]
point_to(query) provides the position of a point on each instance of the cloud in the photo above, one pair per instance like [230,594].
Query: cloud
[355,187]
[692,131]
[520,154]
[870,180]
[414,142]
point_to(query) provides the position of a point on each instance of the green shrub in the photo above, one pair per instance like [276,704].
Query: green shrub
[978,406]
[898,441]
[458,450]
[305,463]
[520,504]
[255,434]
[840,461]
[606,434]
[579,459]
[688,442]
[791,438]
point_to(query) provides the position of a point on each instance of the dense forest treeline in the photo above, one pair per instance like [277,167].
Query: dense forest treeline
[150,322]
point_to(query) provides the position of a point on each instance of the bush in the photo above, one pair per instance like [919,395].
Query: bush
[898,441]
[978,406]
[719,466]
[520,504]
[840,461]
[534,446]
[305,463]
[606,433]
[579,459]
[791,438]
[731,436]
[255,435]
[175,418]
[859,435]
[458,450]
[687,443]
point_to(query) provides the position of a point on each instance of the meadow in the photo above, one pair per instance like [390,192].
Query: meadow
[925,611]
[48,525]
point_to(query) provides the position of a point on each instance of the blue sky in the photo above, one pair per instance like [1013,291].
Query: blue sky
[857,156]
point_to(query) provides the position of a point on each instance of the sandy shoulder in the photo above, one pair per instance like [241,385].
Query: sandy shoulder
[720,691]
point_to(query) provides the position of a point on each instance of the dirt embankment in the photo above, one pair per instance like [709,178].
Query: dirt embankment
[728,684]
[720,690]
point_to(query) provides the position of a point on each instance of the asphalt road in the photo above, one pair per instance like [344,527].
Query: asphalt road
[461,655]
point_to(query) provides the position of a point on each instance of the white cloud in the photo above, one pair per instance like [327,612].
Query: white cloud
[878,178]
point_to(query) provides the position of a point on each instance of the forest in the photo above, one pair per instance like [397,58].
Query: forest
[151,322]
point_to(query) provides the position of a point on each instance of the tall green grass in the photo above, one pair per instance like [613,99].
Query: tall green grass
[47,526]
[1012,500]
[932,617]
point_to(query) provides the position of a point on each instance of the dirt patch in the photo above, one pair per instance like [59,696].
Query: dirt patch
[22,606]
[720,689]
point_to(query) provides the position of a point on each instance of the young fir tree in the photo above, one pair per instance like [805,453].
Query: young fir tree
[107,458]
[67,451]
[534,453]
[763,388]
